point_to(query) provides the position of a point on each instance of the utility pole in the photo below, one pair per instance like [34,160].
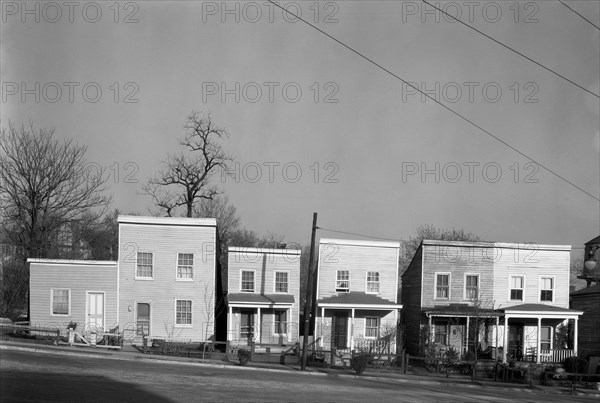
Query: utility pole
[309,293]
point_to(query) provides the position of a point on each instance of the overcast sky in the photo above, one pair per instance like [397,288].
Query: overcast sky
[293,99]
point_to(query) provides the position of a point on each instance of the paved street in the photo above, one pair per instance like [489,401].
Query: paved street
[30,376]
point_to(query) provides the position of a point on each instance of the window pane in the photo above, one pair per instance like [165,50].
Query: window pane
[343,280]
[144,264]
[60,302]
[443,291]
[281,282]
[373,281]
[184,312]
[516,295]
[185,265]
[248,281]
[372,327]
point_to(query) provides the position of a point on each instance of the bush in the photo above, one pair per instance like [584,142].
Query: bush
[243,356]
[576,365]
[360,362]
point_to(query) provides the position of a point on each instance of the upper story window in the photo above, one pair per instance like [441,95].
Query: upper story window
[373,282]
[185,266]
[442,286]
[471,286]
[144,265]
[281,281]
[60,301]
[342,283]
[516,288]
[547,289]
[247,281]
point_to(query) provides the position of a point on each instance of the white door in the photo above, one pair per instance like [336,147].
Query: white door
[96,310]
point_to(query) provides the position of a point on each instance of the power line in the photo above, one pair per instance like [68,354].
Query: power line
[512,49]
[590,22]
[433,99]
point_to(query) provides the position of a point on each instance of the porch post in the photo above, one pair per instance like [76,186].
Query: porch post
[467,341]
[505,341]
[575,336]
[288,324]
[496,333]
[352,332]
[258,331]
[429,330]
[229,323]
[539,342]
[321,331]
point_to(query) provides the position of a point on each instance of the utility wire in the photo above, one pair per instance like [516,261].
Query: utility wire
[433,98]
[590,22]
[512,50]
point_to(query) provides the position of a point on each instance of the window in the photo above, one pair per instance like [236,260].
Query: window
[185,266]
[471,286]
[547,289]
[183,312]
[372,327]
[545,338]
[442,285]
[60,302]
[342,283]
[280,322]
[516,288]
[247,281]
[440,331]
[373,282]
[281,281]
[144,264]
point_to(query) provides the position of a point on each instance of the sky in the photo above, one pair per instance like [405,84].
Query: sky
[318,116]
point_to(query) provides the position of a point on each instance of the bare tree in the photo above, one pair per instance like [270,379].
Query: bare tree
[185,177]
[45,184]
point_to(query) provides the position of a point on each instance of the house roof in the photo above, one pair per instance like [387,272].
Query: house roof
[260,299]
[586,291]
[355,298]
[593,241]
[355,242]
[533,308]
[68,262]
[461,310]
[489,244]
[181,221]
[275,251]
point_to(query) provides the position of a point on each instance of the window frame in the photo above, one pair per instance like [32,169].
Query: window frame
[553,278]
[242,271]
[287,281]
[378,282]
[64,315]
[465,293]
[377,327]
[340,289]
[191,313]
[435,287]
[441,324]
[548,341]
[137,256]
[510,289]
[177,277]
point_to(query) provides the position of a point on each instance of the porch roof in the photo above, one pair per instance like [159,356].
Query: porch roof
[251,299]
[357,300]
[461,310]
[540,310]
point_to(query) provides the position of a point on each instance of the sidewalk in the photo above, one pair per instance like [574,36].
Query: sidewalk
[412,377]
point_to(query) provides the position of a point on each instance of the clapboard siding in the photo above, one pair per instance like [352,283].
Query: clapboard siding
[532,264]
[264,263]
[334,256]
[411,302]
[458,261]
[589,322]
[79,279]
[165,241]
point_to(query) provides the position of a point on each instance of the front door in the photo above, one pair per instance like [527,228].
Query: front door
[247,325]
[143,319]
[96,310]
[340,330]
[515,341]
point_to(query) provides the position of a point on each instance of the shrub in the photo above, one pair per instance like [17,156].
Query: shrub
[243,356]
[360,362]
[576,364]
[72,325]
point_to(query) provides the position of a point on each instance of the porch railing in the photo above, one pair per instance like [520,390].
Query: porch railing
[556,355]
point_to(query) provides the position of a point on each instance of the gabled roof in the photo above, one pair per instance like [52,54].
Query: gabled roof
[355,298]
[261,299]
[586,291]
[593,241]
